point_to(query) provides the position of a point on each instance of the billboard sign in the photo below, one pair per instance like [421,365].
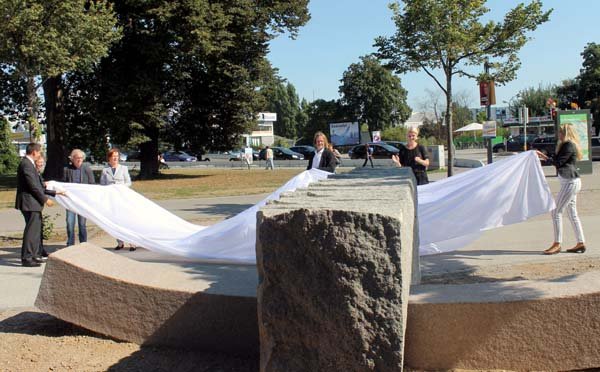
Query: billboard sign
[344,133]
[489,129]
[580,119]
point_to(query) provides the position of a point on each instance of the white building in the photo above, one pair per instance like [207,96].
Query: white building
[263,135]
[417,119]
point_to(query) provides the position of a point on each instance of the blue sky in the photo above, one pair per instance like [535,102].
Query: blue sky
[340,31]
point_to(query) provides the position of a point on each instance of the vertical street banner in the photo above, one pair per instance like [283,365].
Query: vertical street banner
[344,133]
[376,136]
[487,93]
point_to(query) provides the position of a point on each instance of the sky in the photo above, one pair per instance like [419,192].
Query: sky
[341,31]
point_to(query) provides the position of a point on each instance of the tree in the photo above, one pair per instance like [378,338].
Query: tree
[9,159]
[448,35]
[373,95]
[536,100]
[320,113]
[191,70]
[589,82]
[43,39]
[283,100]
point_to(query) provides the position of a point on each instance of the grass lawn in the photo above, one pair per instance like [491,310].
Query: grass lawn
[189,183]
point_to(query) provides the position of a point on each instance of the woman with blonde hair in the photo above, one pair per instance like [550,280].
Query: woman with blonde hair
[568,152]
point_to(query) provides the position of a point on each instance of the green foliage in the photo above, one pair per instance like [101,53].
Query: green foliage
[42,39]
[481,117]
[320,113]
[394,134]
[449,35]
[9,158]
[373,95]
[48,225]
[283,100]
[588,86]
[535,99]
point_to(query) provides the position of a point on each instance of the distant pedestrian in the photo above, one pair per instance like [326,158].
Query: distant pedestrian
[568,152]
[368,155]
[269,158]
[77,172]
[322,158]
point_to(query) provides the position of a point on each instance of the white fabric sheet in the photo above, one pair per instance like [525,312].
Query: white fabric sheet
[452,212]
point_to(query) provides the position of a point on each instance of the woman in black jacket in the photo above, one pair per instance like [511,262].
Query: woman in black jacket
[323,158]
[568,152]
[413,155]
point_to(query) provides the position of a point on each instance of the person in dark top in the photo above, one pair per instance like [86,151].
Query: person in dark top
[415,156]
[368,155]
[568,152]
[77,172]
[30,200]
[322,158]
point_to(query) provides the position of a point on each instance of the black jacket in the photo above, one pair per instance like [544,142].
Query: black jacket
[30,189]
[565,159]
[87,176]
[327,162]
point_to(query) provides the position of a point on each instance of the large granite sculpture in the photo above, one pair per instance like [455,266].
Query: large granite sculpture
[335,264]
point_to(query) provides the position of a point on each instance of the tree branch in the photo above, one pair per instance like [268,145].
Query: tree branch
[433,77]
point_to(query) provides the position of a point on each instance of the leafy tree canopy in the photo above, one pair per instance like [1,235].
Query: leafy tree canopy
[449,35]
[9,159]
[373,95]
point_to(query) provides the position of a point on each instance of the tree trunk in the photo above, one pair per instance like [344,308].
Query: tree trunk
[32,110]
[149,155]
[55,128]
[450,144]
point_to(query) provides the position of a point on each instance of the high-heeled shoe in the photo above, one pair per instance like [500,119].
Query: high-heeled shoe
[554,249]
[579,248]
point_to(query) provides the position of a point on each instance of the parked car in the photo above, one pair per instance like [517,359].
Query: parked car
[380,151]
[307,151]
[396,144]
[544,144]
[178,156]
[514,144]
[236,155]
[281,153]
[133,156]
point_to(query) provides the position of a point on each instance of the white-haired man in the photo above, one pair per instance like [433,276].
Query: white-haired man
[77,172]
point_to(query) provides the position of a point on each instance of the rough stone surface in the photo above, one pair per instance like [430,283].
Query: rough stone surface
[144,303]
[540,325]
[335,264]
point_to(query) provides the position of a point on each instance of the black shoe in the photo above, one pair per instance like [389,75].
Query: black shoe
[30,263]
[131,249]
[38,260]
[119,247]
[43,258]
[44,254]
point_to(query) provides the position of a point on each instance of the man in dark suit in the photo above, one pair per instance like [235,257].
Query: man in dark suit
[30,201]
[323,158]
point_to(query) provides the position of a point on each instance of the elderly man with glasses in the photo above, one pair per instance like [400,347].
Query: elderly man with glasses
[77,172]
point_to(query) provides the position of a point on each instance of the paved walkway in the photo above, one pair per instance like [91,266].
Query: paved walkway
[520,243]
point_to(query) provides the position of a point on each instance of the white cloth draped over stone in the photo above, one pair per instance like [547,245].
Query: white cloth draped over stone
[452,212]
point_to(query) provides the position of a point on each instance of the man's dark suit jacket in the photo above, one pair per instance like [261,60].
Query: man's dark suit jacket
[87,176]
[327,162]
[30,189]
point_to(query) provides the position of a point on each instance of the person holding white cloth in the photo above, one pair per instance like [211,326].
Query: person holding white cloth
[116,174]
[322,158]
[568,152]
